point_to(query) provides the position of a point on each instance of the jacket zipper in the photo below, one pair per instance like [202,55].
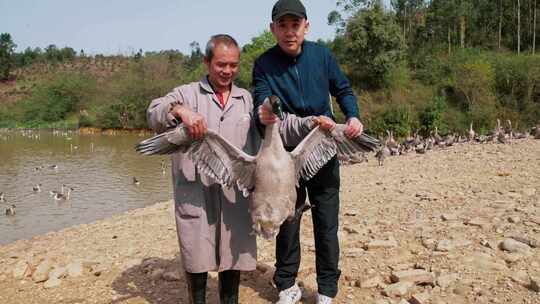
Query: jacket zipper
[299,84]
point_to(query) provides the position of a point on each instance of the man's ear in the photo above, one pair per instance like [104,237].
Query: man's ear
[307,27]
[272,27]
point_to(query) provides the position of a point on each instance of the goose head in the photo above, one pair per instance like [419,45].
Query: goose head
[274,103]
[10,211]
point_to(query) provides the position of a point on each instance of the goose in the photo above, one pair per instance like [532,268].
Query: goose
[420,149]
[437,137]
[10,210]
[383,153]
[136,181]
[2,197]
[509,130]
[36,188]
[272,175]
[471,132]
[536,132]
[54,193]
[63,197]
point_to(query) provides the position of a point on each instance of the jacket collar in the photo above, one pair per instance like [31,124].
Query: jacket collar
[289,57]
[206,86]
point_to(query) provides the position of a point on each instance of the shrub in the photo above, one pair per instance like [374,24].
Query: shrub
[396,118]
[432,116]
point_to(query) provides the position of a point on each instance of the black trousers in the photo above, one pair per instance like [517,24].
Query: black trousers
[323,192]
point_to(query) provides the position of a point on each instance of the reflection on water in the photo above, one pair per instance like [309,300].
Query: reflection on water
[99,168]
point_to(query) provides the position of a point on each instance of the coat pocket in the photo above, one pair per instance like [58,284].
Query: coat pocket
[189,198]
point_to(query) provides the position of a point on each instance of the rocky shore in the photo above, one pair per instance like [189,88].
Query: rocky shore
[456,225]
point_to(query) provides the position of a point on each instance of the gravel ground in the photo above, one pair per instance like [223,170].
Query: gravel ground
[457,225]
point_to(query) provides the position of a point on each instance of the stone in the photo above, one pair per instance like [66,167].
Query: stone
[529,191]
[444,281]
[512,245]
[354,252]
[525,240]
[461,290]
[397,289]
[99,269]
[171,276]
[74,269]
[513,257]
[521,277]
[420,298]
[350,230]
[416,276]
[41,273]
[514,219]
[483,261]
[477,222]
[157,273]
[370,282]
[449,217]
[376,244]
[51,283]
[535,284]
[21,270]
[444,245]
[132,263]
[57,272]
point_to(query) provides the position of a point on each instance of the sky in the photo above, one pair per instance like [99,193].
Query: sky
[125,26]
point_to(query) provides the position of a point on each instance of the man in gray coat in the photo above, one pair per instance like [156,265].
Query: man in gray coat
[213,223]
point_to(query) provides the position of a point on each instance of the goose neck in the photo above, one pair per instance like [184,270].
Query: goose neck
[272,137]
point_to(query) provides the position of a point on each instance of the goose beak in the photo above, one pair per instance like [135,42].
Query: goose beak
[276,107]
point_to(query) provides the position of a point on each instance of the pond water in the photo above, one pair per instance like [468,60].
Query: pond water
[99,168]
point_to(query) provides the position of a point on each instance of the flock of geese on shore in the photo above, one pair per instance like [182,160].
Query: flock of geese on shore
[421,145]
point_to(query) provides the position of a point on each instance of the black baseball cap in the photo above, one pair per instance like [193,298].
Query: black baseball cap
[288,7]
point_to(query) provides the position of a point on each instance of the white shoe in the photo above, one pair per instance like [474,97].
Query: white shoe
[322,299]
[290,295]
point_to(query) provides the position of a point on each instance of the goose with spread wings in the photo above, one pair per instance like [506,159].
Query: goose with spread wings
[272,175]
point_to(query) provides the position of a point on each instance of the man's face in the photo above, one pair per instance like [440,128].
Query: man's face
[223,67]
[289,32]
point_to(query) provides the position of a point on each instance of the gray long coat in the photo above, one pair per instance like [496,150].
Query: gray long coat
[213,223]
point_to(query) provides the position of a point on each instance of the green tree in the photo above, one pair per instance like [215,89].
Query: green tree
[375,46]
[250,52]
[7,49]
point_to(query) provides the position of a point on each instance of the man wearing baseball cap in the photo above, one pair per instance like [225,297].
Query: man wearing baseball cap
[303,74]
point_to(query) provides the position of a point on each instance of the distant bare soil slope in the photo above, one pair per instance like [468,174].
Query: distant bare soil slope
[459,225]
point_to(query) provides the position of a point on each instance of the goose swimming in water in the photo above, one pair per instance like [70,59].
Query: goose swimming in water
[63,197]
[36,188]
[272,175]
[54,193]
[2,198]
[136,181]
[10,210]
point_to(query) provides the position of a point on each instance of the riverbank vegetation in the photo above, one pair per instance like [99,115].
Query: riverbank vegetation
[416,66]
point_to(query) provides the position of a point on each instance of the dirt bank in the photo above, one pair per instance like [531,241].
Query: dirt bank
[460,225]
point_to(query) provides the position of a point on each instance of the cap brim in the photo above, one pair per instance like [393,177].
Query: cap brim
[297,14]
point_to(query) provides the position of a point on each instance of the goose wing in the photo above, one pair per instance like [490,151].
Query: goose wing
[213,155]
[319,146]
